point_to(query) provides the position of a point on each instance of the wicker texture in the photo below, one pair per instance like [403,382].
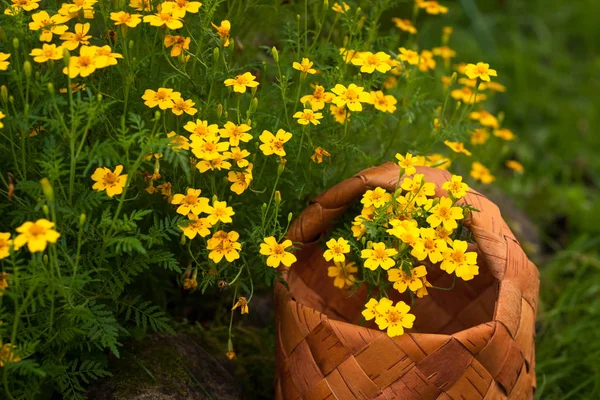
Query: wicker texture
[473,342]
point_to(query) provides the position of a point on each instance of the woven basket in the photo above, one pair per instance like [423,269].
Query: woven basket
[473,342]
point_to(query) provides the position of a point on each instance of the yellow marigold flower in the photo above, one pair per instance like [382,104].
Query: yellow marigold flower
[49,25]
[379,256]
[36,235]
[444,213]
[456,187]
[5,244]
[198,226]
[2,116]
[201,129]
[207,148]
[72,40]
[224,244]
[219,212]
[105,57]
[410,56]
[472,83]
[3,63]
[241,82]
[382,102]
[235,133]
[239,156]
[179,43]
[340,8]
[432,7]
[457,260]
[405,25]
[457,147]
[390,82]
[276,252]
[191,202]
[242,303]
[307,117]
[25,5]
[406,230]
[496,87]
[164,19]
[403,281]
[339,113]
[505,134]
[7,351]
[485,118]
[318,98]
[426,61]
[343,274]
[479,136]
[178,142]
[438,161]
[217,163]
[445,52]
[336,250]
[351,97]
[112,182]
[370,62]
[241,180]
[418,188]
[224,32]
[467,95]
[427,246]
[73,10]
[163,98]
[377,197]
[141,5]
[47,52]
[179,8]
[124,18]
[394,318]
[408,163]
[230,355]
[4,275]
[370,310]
[512,164]
[480,71]
[181,106]
[190,284]
[81,5]
[273,144]
[481,173]
[305,67]
[319,154]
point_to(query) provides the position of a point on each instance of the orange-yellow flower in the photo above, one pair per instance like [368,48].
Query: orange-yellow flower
[46,53]
[49,25]
[236,133]
[383,102]
[5,244]
[481,173]
[3,63]
[343,274]
[351,96]
[36,235]
[224,245]
[370,62]
[318,98]
[72,40]
[405,25]
[276,252]
[319,154]
[201,129]
[163,98]
[457,147]
[241,82]
[164,18]
[223,31]
[480,71]
[444,213]
[220,212]
[124,18]
[307,117]
[112,182]
[191,203]
[379,256]
[273,144]
[305,67]
[179,43]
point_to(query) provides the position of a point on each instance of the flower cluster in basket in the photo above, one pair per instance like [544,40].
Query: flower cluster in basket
[158,147]
[396,238]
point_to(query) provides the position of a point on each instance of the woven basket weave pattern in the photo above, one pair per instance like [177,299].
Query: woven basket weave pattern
[474,342]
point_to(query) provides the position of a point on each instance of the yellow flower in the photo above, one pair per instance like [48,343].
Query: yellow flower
[163,98]
[307,117]
[208,148]
[485,118]
[230,355]
[219,212]
[456,187]
[336,250]
[438,161]
[407,231]
[124,18]
[105,57]
[141,5]
[7,351]
[47,52]
[505,134]
[343,274]
[426,61]
[512,164]
[239,156]
[407,163]
[179,8]
[5,244]
[164,19]
[410,56]
[432,7]
[318,98]
[242,303]
[178,142]
[72,40]
[340,8]
[223,31]
[191,202]
[457,147]
[479,136]
[3,63]
[241,82]
[457,260]
[444,213]
[385,103]
[445,52]
[25,5]
[403,281]
[179,43]
[201,129]
[241,180]
[36,235]
[377,197]
[418,188]
[273,144]
[181,106]
[379,256]
[496,87]
[190,284]
[2,116]
[305,67]
[481,173]
[339,113]
[467,95]
[370,62]
[235,133]
[428,246]
[83,65]
[370,310]
[3,280]
[198,226]
[405,25]
[352,96]
[112,182]
[394,318]
[319,154]
[224,244]
[480,71]
[49,25]
[277,253]
[218,163]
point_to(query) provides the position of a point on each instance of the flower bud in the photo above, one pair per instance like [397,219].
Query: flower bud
[27,69]
[254,105]
[216,53]
[290,216]
[11,99]
[281,166]
[47,189]
[157,115]
[219,110]
[16,43]
[182,241]
[66,57]
[4,93]
[82,218]
[277,197]
[253,90]
[326,4]
[275,54]
[45,259]
[46,210]
[249,122]
[99,97]
[130,44]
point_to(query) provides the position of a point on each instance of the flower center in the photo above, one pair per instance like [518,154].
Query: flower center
[444,212]
[190,199]
[110,179]
[37,230]
[458,257]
